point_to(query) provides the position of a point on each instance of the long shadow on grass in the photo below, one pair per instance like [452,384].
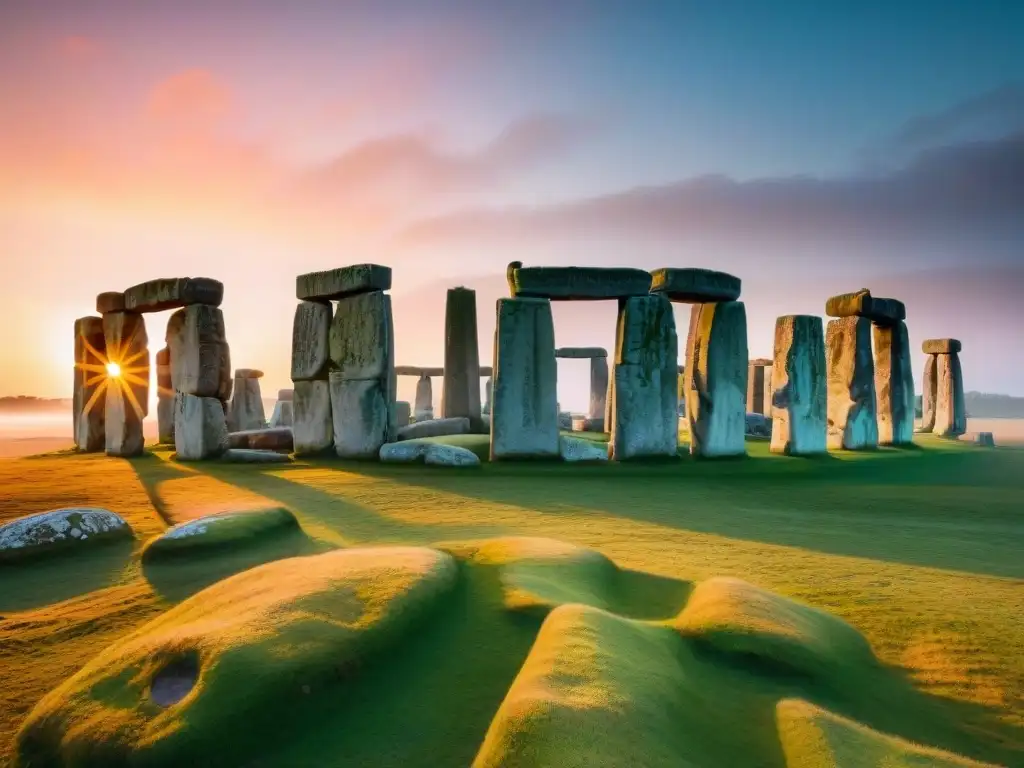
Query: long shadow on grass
[153,470]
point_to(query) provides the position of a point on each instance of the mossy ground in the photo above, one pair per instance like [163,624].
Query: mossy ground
[918,549]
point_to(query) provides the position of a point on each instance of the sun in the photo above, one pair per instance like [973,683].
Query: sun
[113,370]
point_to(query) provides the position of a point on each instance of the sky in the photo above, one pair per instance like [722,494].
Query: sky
[809,148]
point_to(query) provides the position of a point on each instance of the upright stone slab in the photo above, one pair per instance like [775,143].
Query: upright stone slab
[488,396]
[359,337]
[894,384]
[90,382]
[311,331]
[164,396]
[313,422]
[283,415]
[852,419]
[950,407]
[598,389]
[424,404]
[361,416]
[644,422]
[127,395]
[199,351]
[403,414]
[759,387]
[460,394]
[929,392]
[799,387]
[200,429]
[716,379]
[524,411]
[246,409]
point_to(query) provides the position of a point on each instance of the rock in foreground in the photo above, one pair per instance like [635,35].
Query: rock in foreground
[225,529]
[48,532]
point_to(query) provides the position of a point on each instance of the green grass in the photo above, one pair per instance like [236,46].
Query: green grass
[917,551]
[226,530]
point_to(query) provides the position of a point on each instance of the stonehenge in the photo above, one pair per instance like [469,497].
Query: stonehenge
[423,402]
[894,384]
[852,415]
[599,383]
[798,387]
[460,395]
[943,408]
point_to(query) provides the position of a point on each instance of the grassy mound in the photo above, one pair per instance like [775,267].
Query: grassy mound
[227,529]
[228,659]
[596,690]
[738,618]
[815,738]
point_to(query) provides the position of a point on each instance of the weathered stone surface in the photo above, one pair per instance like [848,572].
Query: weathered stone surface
[695,286]
[200,429]
[359,337]
[123,423]
[418,371]
[942,347]
[598,387]
[646,375]
[424,405]
[581,353]
[283,415]
[524,411]
[929,392]
[460,395]
[488,397]
[985,440]
[863,304]
[759,377]
[799,387]
[48,532]
[440,455]
[110,301]
[361,416]
[403,414]
[578,449]
[165,417]
[173,292]
[716,379]
[264,439]
[950,407]
[576,283]
[313,425]
[311,331]
[246,409]
[343,282]
[197,344]
[90,379]
[286,395]
[894,385]
[402,453]
[255,456]
[248,373]
[852,415]
[456,425]
[127,396]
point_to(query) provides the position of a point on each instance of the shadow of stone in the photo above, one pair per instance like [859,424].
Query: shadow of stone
[152,470]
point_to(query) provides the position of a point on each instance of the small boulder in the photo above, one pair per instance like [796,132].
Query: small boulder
[46,532]
[226,528]
[402,453]
[440,455]
[577,449]
[758,425]
[457,425]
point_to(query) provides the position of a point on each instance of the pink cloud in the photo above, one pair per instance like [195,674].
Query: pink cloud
[80,49]
[193,97]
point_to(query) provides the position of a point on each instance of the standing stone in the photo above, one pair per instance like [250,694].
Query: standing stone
[929,393]
[127,396]
[90,382]
[424,404]
[644,421]
[313,423]
[894,384]
[609,402]
[361,416]
[716,379]
[403,414]
[488,395]
[246,410]
[196,339]
[524,412]
[759,387]
[359,337]
[283,415]
[200,429]
[598,391]
[950,407]
[311,331]
[852,420]
[460,393]
[164,397]
[799,387]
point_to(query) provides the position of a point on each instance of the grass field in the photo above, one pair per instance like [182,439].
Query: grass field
[920,550]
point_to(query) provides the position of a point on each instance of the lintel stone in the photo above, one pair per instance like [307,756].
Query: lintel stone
[110,301]
[863,304]
[248,373]
[577,283]
[415,370]
[695,286]
[339,283]
[942,347]
[173,293]
[581,353]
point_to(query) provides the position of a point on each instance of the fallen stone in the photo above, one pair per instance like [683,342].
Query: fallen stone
[200,428]
[695,286]
[402,453]
[359,337]
[598,388]
[985,440]
[343,282]
[110,301]
[458,425]
[255,456]
[799,387]
[581,353]
[283,415]
[248,373]
[281,439]
[863,304]
[942,347]
[313,422]
[460,395]
[716,379]
[246,409]
[440,455]
[197,344]
[361,416]
[950,407]
[311,331]
[49,532]
[758,425]
[286,395]
[929,393]
[852,419]
[894,385]
[524,411]
[232,529]
[577,449]
[576,283]
[418,371]
[90,380]
[403,414]
[172,293]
